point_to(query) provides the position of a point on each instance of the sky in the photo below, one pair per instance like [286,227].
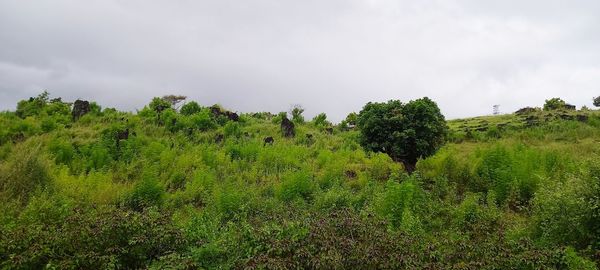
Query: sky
[329,56]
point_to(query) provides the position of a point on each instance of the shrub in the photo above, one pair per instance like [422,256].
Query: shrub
[202,121]
[296,112]
[62,150]
[33,106]
[232,129]
[146,193]
[296,185]
[568,213]
[474,210]
[399,202]
[229,200]
[321,120]
[554,104]
[25,173]
[190,108]
[381,167]
[93,238]
[158,104]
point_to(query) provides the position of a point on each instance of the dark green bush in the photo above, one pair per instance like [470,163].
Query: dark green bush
[190,108]
[93,238]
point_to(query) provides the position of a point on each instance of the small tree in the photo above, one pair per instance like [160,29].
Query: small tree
[158,104]
[33,106]
[406,132]
[352,118]
[174,99]
[597,101]
[554,104]
[321,120]
[190,108]
[296,112]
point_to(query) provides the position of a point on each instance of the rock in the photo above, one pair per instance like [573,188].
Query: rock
[287,128]
[582,118]
[217,112]
[268,140]
[80,108]
[526,110]
[481,128]
[232,116]
[567,117]
[531,120]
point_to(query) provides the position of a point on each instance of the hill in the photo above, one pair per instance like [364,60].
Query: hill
[208,188]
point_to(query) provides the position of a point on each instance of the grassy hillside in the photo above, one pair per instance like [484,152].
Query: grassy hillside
[167,189]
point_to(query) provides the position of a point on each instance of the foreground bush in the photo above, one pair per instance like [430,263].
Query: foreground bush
[91,238]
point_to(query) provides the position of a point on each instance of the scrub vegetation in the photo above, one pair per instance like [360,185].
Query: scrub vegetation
[178,185]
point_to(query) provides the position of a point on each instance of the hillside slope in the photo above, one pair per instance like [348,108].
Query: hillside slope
[204,188]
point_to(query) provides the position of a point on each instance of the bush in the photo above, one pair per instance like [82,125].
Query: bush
[25,173]
[146,193]
[203,121]
[296,112]
[229,200]
[232,129]
[190,108]
[62,151]
[296,185]
[567,213]
[321,120]
[93,238]
[399,203]
[554,104]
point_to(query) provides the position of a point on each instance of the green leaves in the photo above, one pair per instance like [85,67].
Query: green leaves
[406,132]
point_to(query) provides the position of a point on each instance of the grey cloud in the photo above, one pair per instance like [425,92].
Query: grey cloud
[330,56]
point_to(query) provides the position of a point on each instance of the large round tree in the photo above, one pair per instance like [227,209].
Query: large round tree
[406,132]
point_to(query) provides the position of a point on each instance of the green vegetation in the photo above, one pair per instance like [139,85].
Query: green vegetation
[406,132]
[196,187]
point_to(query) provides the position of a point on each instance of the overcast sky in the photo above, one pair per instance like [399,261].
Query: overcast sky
[330,56]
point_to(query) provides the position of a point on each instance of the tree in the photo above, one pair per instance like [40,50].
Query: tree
[190,108]
[33,106]
[597,101]
[321,120]
[406,132]
[554,104]
[351,119]
[296,112]
[174,99]
[158,104]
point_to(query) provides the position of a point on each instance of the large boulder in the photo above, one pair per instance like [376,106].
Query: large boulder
[287,128]
[80,108]
[216,111]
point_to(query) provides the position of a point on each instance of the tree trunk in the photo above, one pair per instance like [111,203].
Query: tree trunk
[409,166]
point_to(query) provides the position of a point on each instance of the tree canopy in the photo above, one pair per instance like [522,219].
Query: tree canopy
[406,132]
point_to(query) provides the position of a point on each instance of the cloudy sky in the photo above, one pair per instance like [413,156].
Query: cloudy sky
[330,56]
